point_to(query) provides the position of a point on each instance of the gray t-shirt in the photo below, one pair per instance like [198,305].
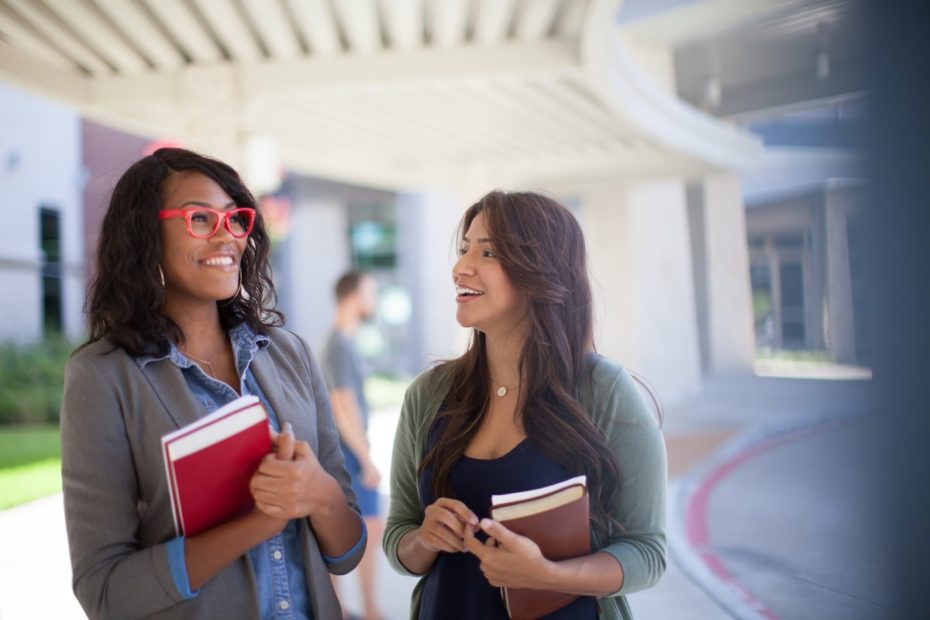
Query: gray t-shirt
[344,368]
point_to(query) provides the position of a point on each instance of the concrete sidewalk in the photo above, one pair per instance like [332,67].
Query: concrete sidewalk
[778,540]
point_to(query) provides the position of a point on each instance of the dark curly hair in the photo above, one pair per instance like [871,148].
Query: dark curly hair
[541,248]
[126,296]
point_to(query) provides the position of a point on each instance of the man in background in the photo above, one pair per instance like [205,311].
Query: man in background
[345,373]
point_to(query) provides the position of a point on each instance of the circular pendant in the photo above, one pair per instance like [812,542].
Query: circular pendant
[502,391]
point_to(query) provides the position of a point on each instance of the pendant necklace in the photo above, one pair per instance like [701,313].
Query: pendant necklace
[209,364]
[503,390]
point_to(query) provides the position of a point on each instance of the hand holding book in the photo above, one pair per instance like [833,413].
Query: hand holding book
[291,483]
[508,559]
[534,529]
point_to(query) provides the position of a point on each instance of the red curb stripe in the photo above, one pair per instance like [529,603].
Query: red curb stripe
[696,529]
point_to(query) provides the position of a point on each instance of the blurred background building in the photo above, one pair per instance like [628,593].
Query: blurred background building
[710,149]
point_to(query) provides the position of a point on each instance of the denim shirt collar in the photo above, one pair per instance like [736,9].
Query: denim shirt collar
[245,343]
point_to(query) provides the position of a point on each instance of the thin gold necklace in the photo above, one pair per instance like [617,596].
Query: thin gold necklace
[205,362]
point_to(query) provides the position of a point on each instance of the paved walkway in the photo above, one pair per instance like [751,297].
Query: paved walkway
[765,477]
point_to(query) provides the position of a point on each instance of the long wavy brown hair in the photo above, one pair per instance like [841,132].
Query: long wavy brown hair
[126,296]
[541,248]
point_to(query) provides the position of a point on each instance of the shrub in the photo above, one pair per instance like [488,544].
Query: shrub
[31,378]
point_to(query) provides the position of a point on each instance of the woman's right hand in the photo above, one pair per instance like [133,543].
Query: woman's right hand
[444,523]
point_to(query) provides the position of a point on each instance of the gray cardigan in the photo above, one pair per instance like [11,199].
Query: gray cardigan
[632,433]
[117,508]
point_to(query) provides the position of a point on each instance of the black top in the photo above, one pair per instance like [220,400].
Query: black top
[455,587]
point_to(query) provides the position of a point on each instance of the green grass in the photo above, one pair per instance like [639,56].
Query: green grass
[30,464]
[21,445]
[793,355]
[24,483]
[383,392]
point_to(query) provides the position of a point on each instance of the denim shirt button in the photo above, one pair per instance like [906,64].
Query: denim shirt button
[284,605]
[276,555]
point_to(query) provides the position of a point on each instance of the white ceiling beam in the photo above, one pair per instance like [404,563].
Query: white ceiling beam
[403,21]
[35,74]
[75,49]
[636,99]
[373,118]
[342,130]
[535,19]
[99,35]
[186,29]
[571,18]
[232,31]
[493,19]
[448,22]
[698,19]
[545,58]
[352,167]
[133,90]
[127,15]
[316,23]
[568,123]
[274,27]
[522,118]
[23,37]
[359,20]
[433,124]
[468,118]
[576,101]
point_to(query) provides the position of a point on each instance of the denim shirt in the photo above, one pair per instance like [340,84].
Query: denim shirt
[278,561]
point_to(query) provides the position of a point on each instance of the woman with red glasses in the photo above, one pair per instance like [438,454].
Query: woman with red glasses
[181,323]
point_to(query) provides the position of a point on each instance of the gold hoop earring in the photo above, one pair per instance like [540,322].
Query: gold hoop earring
[226,302]
[161,276]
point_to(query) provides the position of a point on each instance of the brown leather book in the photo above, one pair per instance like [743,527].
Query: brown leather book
[556,519]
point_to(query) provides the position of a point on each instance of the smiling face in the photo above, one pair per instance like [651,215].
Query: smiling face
[198,270]
[484,296]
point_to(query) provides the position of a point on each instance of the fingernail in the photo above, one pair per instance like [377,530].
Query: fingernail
[288,429]
[486,523]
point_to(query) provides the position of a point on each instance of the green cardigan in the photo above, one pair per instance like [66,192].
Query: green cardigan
[631,430]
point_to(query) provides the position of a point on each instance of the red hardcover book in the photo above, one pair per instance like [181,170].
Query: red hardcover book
[555,518]
[209,464]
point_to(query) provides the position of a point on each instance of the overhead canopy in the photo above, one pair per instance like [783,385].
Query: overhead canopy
[394,93]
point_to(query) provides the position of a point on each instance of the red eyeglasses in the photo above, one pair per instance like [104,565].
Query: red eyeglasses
[204,222]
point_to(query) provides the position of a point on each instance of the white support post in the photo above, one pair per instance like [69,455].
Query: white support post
[639,247]
[731,338]
[306,282]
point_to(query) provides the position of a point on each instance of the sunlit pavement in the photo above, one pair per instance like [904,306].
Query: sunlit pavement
[763,518]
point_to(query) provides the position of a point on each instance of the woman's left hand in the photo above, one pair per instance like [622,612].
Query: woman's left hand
[507,559]
[290,483]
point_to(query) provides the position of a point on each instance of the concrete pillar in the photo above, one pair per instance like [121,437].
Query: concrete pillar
[840,323]
[638,244]
[316,253]
[730,337]
[436,215]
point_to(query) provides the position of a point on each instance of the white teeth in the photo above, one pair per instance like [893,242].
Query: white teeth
[219,261]
[461,290]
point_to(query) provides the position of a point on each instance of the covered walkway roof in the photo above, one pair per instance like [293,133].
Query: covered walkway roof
[392,93]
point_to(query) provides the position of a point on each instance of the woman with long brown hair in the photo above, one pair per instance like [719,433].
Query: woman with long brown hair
[528,404]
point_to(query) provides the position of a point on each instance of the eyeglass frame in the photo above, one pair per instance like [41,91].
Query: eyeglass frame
[221,216]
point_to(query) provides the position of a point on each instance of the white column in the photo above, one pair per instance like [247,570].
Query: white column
[438,214]
[317,254]
[731,338]
[639,247]
[841,335]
